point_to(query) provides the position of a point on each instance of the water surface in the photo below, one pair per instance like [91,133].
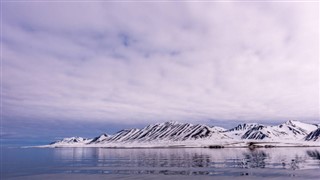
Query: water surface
[162,163]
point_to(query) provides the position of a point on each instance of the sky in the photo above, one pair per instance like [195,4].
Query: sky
[84,68]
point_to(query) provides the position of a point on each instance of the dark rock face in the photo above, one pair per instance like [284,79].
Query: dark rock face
[254,134]
[314,135]
[244,126]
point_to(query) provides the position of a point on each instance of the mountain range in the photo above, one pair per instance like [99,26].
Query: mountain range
[175,134]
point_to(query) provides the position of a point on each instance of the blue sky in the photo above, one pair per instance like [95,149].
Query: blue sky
[83,68]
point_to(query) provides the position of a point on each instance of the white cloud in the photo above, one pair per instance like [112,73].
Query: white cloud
[143,62]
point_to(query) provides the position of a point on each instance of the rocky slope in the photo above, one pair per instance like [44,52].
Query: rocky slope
[314,135]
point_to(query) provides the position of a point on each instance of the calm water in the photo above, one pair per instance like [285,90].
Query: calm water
[180,163]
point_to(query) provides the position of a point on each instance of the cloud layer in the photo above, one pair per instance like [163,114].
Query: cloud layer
[142,62]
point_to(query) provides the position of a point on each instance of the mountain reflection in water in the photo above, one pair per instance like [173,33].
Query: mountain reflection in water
[180,163]
[179,158]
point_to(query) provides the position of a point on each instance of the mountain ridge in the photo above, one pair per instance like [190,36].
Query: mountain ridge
[291,132]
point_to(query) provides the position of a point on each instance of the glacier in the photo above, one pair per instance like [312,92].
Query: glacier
[292,133]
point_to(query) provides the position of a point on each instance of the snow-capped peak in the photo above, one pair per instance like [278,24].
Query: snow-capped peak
[290,130]
[307,128]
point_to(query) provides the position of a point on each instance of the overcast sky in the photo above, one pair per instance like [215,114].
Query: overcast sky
[138,63]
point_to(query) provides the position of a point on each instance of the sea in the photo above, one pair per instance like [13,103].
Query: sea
[160,163]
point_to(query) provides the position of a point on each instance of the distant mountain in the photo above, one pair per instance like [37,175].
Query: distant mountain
[290,130]
[199,135]
[72,140]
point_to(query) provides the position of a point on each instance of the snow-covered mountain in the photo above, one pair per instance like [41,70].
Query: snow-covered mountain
[199,135]
[72,140]
[290,130]
[168,131]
